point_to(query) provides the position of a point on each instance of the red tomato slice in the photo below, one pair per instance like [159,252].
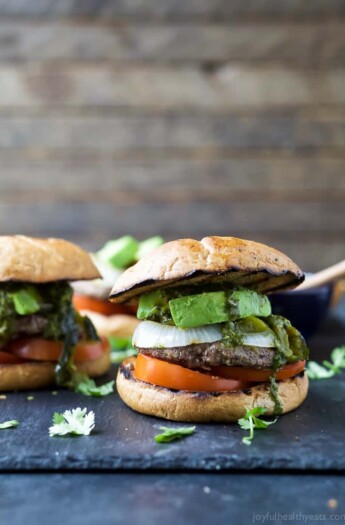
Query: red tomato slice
[36,349]
[6,358]
[162,373]
[88,350]
[254,375]
[102,306]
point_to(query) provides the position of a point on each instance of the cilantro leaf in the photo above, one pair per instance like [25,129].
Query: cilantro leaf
[172,434]
[316,371]
[251,421]
[338,356]
[256,411]
[75,422]
[26,300]
[58,418]
[89,388]
[329,369]
[13,423]
[245,424]
[121,348]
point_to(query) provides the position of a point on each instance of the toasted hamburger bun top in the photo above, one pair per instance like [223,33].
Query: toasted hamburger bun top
[37,260]
[223,260]
[204,407]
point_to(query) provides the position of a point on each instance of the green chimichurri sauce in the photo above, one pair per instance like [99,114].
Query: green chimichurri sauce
[53,302]
[289,344]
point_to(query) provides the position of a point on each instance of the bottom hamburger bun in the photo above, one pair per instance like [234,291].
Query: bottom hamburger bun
[33,375]
[203,407]
[120,325]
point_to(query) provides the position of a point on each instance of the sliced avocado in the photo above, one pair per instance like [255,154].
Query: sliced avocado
[150,304]
[198,310]
[244,303]
[27,300]
[119,252]
[189,311]
[148,245]
[218,307]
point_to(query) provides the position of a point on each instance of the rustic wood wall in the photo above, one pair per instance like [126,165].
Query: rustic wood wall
[180,118]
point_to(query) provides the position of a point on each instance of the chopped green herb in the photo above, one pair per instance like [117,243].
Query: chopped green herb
[172,434]
[70,324]
[251,421]
[329,369]
[75,422]
[89,388]
[13,423]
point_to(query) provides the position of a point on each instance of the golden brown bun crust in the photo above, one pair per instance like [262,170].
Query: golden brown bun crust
[43,260]
[120,325]
[31,376]
[203,407]
[213,259]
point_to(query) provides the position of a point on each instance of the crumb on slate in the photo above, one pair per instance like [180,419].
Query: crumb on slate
[332,503]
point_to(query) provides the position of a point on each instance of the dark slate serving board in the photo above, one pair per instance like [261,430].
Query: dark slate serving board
[310,438]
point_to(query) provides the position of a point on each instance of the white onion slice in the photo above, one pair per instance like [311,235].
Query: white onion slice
[262,339]
[155,335]
[149,334]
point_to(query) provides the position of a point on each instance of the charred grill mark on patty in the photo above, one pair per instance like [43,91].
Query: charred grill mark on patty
[214,354]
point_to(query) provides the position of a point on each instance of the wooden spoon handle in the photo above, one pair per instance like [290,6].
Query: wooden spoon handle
[325,276]
[338,292]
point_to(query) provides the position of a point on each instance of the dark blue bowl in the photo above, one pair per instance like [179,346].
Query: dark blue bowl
[305,309]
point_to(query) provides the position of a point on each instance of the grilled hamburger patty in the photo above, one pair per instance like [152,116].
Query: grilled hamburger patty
[213,354]
[30,324]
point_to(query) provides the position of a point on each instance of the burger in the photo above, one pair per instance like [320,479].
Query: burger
[91,297]
[43,340]
[209,347]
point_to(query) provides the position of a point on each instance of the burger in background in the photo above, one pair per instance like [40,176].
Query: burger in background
[43,340]
[116,322]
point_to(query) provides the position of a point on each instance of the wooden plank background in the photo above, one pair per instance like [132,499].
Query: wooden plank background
[179,118]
